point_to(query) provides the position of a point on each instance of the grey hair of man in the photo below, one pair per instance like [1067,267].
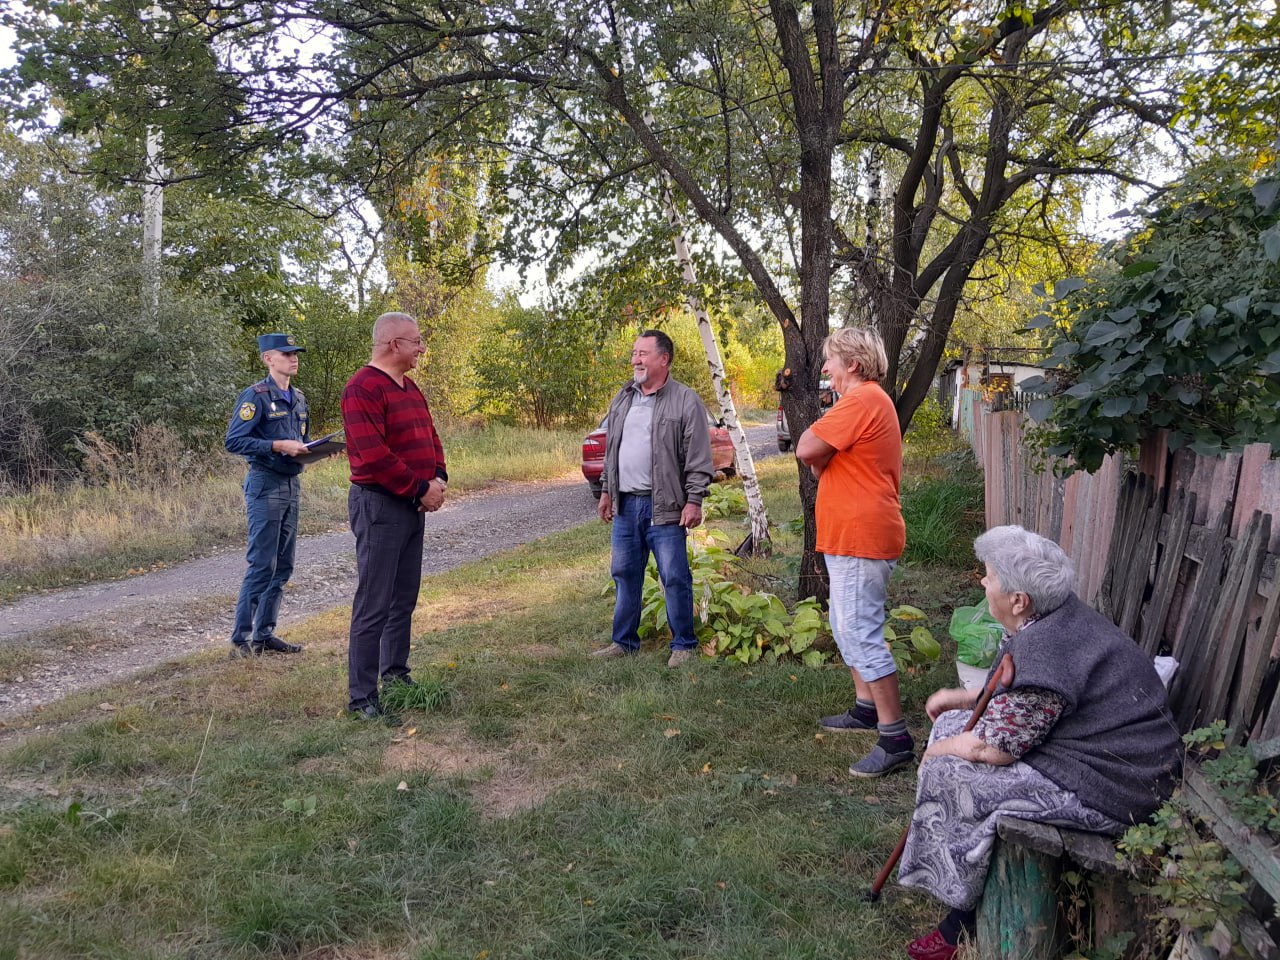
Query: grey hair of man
[384,326]
[1026,562]
[662,342]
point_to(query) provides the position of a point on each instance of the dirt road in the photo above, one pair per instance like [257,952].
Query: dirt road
[74,639]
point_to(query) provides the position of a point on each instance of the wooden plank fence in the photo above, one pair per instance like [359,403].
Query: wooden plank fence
[1180,550]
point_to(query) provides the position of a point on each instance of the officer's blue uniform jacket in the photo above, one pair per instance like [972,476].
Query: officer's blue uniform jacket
[262,414]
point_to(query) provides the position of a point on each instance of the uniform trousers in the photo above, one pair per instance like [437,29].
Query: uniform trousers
[271,500]
[389,534]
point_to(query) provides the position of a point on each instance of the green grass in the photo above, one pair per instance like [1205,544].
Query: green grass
[52,537]
[545,805]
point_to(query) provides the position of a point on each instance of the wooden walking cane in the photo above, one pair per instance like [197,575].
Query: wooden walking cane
[1002,676]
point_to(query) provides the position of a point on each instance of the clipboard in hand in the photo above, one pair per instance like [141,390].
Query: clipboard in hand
[319,449]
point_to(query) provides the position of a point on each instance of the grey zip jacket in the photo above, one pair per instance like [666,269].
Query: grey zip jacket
[682,468]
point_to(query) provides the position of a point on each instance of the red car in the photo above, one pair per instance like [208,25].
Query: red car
[593,452]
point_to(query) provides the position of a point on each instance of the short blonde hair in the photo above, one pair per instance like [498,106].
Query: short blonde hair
[861,346]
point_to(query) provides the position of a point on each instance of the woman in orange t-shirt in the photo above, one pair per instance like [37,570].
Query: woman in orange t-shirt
[855,450]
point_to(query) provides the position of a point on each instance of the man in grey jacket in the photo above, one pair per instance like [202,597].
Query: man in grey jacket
[657,467]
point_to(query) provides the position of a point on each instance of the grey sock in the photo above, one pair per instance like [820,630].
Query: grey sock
[896,729]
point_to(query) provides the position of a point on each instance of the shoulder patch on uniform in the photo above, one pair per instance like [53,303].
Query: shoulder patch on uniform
[261,388]
[248,411]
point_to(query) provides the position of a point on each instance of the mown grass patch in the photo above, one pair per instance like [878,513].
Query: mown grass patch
[552,806]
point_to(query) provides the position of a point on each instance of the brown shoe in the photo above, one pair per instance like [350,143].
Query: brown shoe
[679,658]
[611,652]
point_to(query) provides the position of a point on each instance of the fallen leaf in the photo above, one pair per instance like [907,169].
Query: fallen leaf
[721,885]
[588,903]
[411,731]
[706,768]
[568,869]
[352,843]
[504,686]
[402,786]
[871,800]
[491,883]
[670,732]
[793,678]
[106,707]
[819,737]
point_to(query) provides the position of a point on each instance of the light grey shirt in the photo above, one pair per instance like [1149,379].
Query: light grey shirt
[635,455]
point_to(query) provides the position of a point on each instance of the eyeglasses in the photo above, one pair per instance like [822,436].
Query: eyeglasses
[416,341]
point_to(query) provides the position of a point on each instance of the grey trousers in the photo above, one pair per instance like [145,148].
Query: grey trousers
[389,534]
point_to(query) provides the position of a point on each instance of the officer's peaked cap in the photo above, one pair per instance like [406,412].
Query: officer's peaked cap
[284,342]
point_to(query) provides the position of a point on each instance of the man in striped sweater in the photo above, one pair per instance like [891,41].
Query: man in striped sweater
[397,474]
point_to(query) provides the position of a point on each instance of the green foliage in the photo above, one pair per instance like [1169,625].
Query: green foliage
[1180,332]
[723,501]
[538,369]
[81,352]
[942,515]
[910,641]
[303,806]
[745,625]
[1200,883]
[732,620]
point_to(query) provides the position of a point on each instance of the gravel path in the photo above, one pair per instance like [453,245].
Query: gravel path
[87,636]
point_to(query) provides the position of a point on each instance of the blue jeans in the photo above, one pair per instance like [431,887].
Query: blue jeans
[634,536]
[272,503]
[859,588]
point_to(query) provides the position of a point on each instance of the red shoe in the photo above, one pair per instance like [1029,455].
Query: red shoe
[931,947]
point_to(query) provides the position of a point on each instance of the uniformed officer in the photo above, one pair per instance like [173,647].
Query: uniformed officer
[269,428]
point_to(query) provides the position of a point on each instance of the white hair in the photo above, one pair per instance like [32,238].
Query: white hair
[1026,562]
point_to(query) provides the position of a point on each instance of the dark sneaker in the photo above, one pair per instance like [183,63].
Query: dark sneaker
[273,644]
[879,762]
[849,720]
[373,712]
[245,651]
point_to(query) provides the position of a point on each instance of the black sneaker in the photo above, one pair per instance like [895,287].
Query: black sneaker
[373,712]
[849,720]
[245,651]
[273,644]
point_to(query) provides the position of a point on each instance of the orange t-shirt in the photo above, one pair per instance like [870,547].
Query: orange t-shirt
[858,510]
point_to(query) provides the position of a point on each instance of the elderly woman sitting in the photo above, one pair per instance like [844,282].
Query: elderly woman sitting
[1082,738]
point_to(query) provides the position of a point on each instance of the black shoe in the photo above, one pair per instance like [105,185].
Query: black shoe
[273,644]
[373,712]
[245,651]
[849,720]
[404,681]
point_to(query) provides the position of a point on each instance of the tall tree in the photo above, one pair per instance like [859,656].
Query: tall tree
[765,116]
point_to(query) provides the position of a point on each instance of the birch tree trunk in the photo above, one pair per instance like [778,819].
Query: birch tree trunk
[758,541]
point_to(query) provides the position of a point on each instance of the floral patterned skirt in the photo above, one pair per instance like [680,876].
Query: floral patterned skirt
[958,804]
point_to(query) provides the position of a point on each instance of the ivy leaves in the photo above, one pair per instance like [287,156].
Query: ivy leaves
[1178,331]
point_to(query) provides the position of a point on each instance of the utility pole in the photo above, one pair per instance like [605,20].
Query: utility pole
[152,201]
